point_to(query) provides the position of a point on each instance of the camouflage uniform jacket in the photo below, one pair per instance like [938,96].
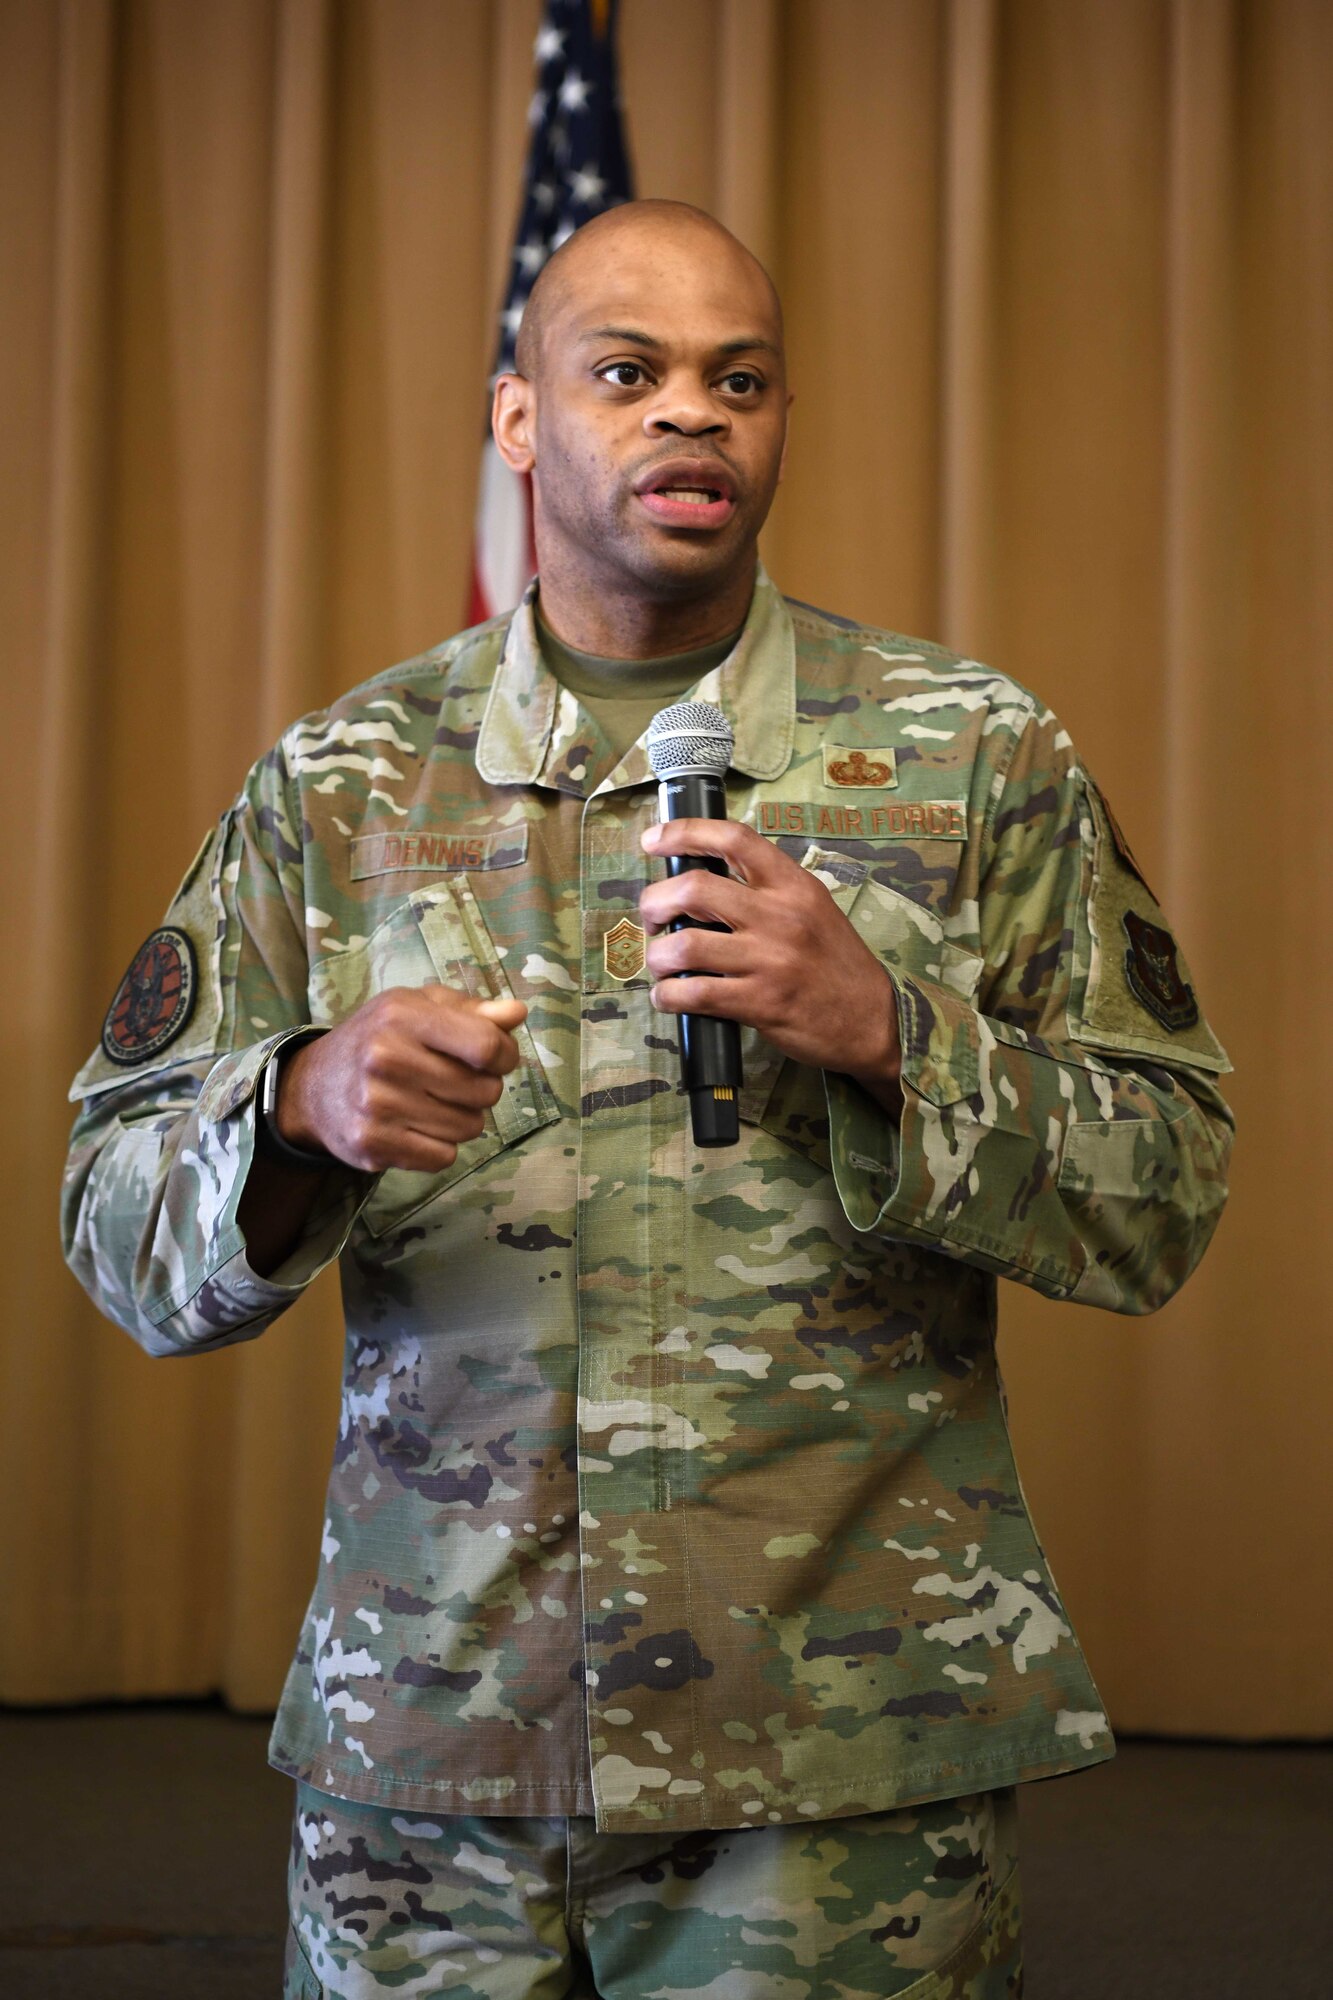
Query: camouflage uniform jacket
[673,1486]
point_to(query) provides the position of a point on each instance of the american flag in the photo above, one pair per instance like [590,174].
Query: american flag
[577,166]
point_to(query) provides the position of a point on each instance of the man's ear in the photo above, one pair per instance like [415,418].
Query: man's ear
[513,411]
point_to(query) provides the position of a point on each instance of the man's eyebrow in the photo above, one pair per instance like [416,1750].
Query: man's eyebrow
[747,345]
[634,336]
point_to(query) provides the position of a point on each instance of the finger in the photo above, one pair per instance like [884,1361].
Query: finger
[399,1131]
[700,951]
[385,1126]
[506,1013]
[445,1081]
[404,1032]
[444,1098]
[453,1124]
[698,893]
[745,852]
[458,1026]
[727,999]
[414,1152]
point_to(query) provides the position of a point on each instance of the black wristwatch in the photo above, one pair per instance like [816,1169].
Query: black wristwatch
[269,1142]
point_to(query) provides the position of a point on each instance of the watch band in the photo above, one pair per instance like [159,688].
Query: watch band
[269,1142]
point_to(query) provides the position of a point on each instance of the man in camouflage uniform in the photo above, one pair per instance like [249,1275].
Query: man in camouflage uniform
[679,1625]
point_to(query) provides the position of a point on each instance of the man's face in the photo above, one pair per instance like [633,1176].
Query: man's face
[657,420]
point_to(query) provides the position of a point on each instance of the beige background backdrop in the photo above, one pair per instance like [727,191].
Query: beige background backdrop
[1060,283]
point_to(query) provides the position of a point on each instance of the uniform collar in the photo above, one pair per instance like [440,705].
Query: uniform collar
[530,728]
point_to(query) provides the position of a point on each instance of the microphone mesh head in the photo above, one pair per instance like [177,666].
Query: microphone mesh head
[690,736]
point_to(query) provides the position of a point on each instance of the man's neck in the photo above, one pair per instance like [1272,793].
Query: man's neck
[620,626]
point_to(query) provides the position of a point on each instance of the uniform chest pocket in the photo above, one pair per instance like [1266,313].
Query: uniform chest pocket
[437,937]
[905,937]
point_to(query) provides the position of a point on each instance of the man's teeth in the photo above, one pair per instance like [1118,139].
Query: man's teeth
[698,496]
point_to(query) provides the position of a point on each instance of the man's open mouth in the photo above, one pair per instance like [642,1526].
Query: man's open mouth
[690,494]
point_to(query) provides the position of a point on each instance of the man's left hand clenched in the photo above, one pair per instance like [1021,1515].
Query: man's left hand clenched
[789,963]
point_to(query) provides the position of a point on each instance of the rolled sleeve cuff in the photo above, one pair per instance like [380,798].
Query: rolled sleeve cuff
[882,1169]
[221,1294]
[234,1301]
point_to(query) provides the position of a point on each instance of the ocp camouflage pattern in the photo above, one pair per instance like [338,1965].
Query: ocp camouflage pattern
[923,1904]
[675,1487]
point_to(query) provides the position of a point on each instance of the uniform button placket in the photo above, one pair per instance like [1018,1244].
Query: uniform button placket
[636,1596]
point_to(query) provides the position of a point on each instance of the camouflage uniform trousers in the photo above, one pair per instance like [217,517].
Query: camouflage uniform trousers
[922,1903]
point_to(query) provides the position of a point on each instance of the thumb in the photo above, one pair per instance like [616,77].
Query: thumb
[506,1013]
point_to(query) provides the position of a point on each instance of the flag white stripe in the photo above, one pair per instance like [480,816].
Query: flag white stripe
[503,538]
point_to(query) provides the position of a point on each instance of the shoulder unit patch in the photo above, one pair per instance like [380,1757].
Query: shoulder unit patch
[1152,970]
[1132,989]
[154,1000]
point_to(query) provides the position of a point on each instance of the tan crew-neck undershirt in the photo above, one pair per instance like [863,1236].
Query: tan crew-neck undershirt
[623,696]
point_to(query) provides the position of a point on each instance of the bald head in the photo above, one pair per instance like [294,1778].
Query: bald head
[633,230]
[649,407]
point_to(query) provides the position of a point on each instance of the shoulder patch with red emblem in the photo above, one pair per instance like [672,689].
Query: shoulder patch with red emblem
[154,1000]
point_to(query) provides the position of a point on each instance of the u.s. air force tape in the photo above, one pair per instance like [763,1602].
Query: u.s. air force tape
[154,1000]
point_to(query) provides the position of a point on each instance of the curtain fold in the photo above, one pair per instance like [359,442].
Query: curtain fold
[968,315]
[1059,289]
[292,585]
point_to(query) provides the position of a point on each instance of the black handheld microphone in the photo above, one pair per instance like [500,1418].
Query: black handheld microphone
[689,748]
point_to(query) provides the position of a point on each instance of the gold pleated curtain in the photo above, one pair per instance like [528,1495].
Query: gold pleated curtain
[1059,278]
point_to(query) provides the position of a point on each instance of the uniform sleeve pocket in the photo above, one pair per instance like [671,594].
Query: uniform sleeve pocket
[1116,1158]
[437,937]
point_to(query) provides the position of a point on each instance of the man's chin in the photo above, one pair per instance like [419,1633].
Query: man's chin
[683,565]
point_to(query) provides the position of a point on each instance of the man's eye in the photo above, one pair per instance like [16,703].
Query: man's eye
[740,382]
[623,374]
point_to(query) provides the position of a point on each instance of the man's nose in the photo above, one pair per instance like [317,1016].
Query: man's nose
[685,408]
